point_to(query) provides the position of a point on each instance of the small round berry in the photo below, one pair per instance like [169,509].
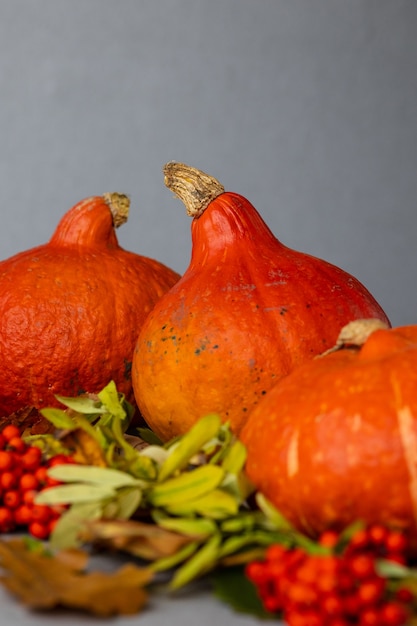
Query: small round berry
[39,530]
[8,480]
[370,617]
[28,482]
[2,441]
[378,534]
[396,541]
[28,497]
[362,566]
[393,614]
[12,499]
[329,538]
[10,432]
[41,474]
[6,460]
[59,459]
[256,572]
[23,515]
[17,444]
[41,513]
[31,459]
[371,591]
[6,519]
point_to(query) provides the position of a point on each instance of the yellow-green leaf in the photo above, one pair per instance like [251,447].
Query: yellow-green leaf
[100,476]
[67,494]
[186,486]
[216,504]
[205,429]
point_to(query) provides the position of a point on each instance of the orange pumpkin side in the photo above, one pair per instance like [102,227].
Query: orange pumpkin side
[335,441]
[70,309]
[246,312]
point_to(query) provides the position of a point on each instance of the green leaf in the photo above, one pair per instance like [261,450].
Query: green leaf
[216,504]
[186,486]
[110,397]
[149,436]
[199,564]
[271,513]
[391,569]
[231,586]
[69,494]
[59,418]
[128,501]
[100,476]
[168,562]
[66,531]
[203,431]
[235,458]
[82,404]
[192,527]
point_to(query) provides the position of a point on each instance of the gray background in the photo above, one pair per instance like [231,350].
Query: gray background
[306,107]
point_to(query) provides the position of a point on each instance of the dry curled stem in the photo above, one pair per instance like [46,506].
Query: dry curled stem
[355,333]
[119,205]
[195,188]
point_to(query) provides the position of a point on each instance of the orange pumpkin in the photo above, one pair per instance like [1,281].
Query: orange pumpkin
[336,440]
[246,312]
[70,309]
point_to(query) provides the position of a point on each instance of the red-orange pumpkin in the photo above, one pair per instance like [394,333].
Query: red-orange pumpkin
[336,440]
[246,312]
[70,309]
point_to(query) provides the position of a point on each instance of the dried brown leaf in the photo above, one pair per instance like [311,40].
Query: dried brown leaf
[28,420]
[45,582]
[146,541]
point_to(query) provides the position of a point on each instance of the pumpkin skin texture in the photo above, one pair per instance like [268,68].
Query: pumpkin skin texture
[70,309]
[336,440]
[245,313]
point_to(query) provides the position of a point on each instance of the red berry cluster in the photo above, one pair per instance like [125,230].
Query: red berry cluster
[335,588]
[23,473]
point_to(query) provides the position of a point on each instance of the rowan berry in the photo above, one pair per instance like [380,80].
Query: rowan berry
[17,444]
[329,538]
[377,535]
[59,459]
[396,542]
[393,614]
[256,572]
[8,480]
[28,482]
[31,459]
[12,498]
[23,515]
[369,617]
[10,432]
[371,591]
[2,441]
[41,513]
[39,530]
[362,566]
[28,497]
[6,519]
[332,605]
[41,474]
[6,460]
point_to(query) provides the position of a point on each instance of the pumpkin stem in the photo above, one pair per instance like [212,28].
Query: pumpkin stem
[356,333]
[195,188]
[119,205]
